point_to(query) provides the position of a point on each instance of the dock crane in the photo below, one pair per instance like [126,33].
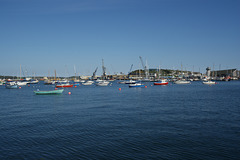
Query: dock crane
[144,68]
[94,73]
[104,76]
[130,70]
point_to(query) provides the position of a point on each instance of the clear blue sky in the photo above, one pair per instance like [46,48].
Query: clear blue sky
[44,35]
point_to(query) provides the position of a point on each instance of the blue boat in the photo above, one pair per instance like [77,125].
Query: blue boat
[76,84]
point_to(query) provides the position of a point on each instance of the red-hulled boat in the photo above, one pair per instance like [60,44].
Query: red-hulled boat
[64,85]
[161,82]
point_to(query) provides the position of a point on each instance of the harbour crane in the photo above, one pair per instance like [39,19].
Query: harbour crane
[94,73]
[130,70]
[104,76]
[144,67]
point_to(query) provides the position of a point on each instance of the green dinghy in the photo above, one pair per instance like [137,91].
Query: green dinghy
[58,91]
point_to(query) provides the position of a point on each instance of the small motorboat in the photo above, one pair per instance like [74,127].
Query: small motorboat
[130,82]
[209,82]
[161,82]
[182,82]
[136,85]
[57,91]
[11,85]
[102,83]
[64,85]
[88,83]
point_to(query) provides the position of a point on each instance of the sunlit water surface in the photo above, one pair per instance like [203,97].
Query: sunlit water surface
[192,122]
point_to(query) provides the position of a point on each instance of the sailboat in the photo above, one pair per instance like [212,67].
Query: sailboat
[136,84]
[146,70]
[65,83]
[21,82]
[75,79]
[88,83]
[182,81]
[48,81]
[161,81]
[104,82]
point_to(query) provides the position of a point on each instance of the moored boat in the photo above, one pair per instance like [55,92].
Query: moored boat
[49,82]
[33,81]
[130,82]
[88,83]
[57,91]
[103,83]
[2,82]
[22,83]
[64,85]
[182,82]
[161,82]
[209,82]
[11,85]
[136,85]
[76,84]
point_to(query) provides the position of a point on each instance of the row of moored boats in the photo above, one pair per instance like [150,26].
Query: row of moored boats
[131,83]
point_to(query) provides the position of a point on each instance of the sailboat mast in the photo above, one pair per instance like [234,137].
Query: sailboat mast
[75,71]
[20,71]
[55,75]
[181,70]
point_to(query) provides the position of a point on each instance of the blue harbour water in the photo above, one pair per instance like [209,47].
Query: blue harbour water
[190,122]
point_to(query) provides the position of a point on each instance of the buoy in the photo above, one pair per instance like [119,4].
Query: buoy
[20,87]
[75,86]
[55,88]
[145,86]
[119,89]
[69,93]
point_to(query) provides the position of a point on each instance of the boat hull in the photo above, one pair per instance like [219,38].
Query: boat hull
[88,83]
[161,83]
[136,85]
[182,82]
[11,86]
[64,86]
[209,82]
[105,83]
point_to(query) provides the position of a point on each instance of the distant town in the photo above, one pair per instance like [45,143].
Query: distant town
[147,74]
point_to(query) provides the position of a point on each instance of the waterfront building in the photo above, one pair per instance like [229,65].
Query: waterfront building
[233,73]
